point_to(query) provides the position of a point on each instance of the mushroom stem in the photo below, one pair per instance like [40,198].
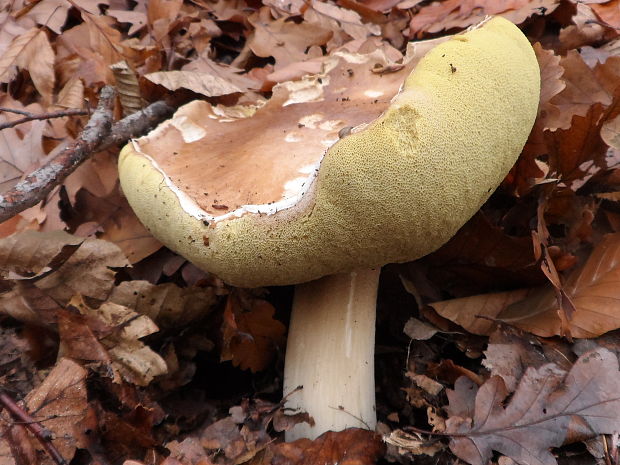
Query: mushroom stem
[330,353]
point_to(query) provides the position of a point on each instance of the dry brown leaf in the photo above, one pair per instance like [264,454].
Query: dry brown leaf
[71,95]
[11,28]
[582,90]
[128,87]
[48,269]
[31,51]
[449,14]
[201,83]
[137,17]
[482,256]
[412,444]
[551,84]
[88,50]
[250,336]
[286,7]
[98,175]
[189,450]
[548,407]
[344,19]
[610,132]
[59,403]
[509,355]
[114,216]
[19,153]
[467,311]
[18,447]
[350,447]
[296,71]
[586,30]
[593,289]
[483,243]
[286,41]
[206,66]
[578,152]
[161,15]
[609,12]
[167,304]
[78,340]
[238,438]
[120,332]
[224,436]
[428,385]
[53,13]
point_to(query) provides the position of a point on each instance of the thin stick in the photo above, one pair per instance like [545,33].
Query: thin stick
[41,116]
[43,435]
[16,111]
[38,184]
[136,124]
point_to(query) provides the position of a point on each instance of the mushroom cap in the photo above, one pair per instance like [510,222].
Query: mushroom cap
[396,188]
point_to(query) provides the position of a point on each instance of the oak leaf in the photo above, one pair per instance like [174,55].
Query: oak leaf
[509,353]
[551,84]
[286,41]
[549,407]
[250,335]
[583,90]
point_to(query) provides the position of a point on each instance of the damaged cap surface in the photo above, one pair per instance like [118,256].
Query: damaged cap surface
[281,194]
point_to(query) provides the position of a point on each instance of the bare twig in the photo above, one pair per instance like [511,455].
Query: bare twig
[137,124]
[41,116]
[16,111]
[38,184]
[43,435]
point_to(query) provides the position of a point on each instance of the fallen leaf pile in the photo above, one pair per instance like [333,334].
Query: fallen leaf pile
[501,347]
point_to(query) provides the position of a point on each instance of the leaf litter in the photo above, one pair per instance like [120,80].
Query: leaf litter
[125,353]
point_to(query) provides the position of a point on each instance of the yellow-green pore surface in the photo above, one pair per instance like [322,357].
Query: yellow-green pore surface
[392,192]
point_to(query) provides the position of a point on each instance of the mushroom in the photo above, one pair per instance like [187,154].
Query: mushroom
[333,177]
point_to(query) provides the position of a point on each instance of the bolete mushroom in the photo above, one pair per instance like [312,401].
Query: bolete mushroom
[286,193]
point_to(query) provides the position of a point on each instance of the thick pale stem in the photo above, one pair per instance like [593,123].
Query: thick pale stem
[330,353]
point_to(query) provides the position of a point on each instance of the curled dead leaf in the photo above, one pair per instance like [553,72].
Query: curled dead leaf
[593,289]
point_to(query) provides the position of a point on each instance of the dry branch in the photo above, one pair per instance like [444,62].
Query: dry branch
[41,116]
[137,124]
[98,134]
[39,183]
